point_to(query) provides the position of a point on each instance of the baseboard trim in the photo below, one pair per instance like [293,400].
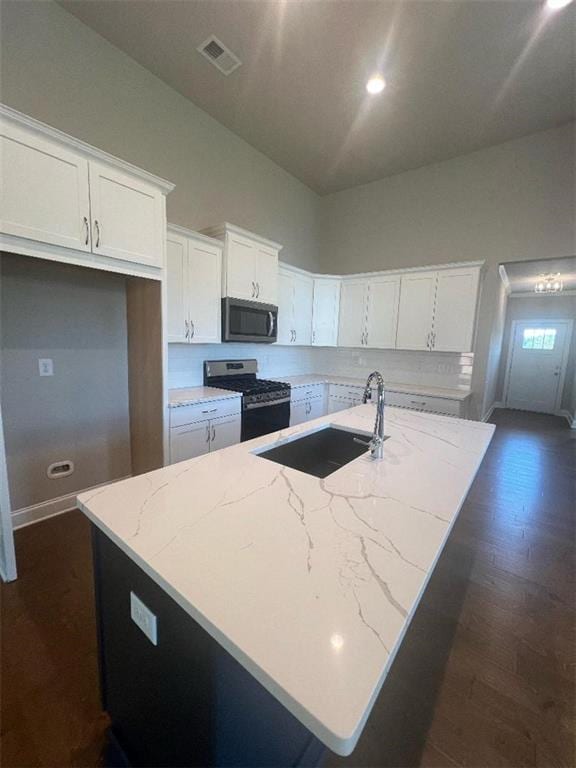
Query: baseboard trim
[490,411]
[46,509]
[569,418]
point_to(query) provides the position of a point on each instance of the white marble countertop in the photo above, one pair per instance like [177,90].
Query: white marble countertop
[310,584]
[189,395]
[305,380]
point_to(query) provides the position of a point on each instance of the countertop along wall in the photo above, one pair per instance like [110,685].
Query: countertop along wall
[59,71]
[510,202]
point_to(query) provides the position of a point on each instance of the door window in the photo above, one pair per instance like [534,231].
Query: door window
[539,338]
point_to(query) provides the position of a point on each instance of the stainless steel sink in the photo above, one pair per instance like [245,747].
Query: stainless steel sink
[319,453]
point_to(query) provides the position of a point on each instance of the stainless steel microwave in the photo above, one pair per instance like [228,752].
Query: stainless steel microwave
[249,321]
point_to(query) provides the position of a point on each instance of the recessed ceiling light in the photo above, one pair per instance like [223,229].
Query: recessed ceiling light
[555,5]
[376,84]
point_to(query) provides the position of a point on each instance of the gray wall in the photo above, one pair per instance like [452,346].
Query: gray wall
[76,317]
[57,70]
[515,201]
[542,308]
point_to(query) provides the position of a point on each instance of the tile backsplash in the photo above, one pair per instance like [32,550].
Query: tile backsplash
[438,369]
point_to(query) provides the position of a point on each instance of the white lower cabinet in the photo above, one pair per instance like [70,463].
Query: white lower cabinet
[427,403]
[307,403]
[189,441]
[204,427]
[341,396]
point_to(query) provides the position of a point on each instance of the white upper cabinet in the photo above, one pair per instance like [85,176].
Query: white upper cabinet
[438,310]
[127,216]
[325,312]
[44,190]
[382,312]
[266,276]
[295,295]
[416,310]
[176,289]
[455,311]
[193,287]
[249,266]
[352,323]
[63,200]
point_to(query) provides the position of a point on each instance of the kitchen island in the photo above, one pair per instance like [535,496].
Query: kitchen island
[281,598]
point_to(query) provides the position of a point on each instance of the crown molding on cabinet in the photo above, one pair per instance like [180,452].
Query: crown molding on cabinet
[85,149]
[383,272]
[184,232]
[219,231]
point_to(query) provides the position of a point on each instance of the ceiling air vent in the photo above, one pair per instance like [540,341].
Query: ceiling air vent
[217,53]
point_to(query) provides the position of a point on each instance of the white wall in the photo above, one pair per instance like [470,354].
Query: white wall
[57,70]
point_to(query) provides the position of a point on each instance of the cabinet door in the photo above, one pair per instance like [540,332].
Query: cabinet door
[44,190]
[299,412]
[416,310]
[266,275]
[241,258]
[352,313]
[189,441]
[303,297]
[224,432]
[325,312]
[176,288]
[127,217]
[382,312]
[285,308]
[315,408]
[455,310]
[204,292]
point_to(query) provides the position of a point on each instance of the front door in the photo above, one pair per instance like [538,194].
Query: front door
[537,361]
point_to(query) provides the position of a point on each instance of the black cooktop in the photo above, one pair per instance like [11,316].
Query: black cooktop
[248,385]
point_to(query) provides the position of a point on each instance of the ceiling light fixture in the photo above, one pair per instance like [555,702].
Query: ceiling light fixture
[555,5]
[376,84]
[551,283]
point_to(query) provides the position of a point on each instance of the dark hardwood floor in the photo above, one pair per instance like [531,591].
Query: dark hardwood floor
[485,676]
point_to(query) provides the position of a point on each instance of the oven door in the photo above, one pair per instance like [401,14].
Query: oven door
[249,321]
[262,418]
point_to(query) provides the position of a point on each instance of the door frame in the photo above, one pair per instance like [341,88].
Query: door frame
[541,322]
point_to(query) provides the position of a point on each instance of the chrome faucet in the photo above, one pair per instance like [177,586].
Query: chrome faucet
[376,443]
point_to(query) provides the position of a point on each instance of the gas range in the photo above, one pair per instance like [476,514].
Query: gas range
[265,403]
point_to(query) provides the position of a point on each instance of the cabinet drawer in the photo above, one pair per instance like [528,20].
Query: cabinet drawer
[211,409]
[423,403]
[311,392]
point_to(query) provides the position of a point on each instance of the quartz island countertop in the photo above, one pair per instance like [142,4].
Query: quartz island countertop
[310,584]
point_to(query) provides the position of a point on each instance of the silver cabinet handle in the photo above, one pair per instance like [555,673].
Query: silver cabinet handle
[257,290]
[97,225]
[187,329]
[192,330]
[313,336]
[366,339]
[213,433]
[207,433]
[428,340]
[295,336]
[433,340]
[418,402]
[87,230]
[212,410]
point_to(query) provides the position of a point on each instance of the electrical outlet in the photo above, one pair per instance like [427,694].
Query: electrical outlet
[143,617]
[45,366]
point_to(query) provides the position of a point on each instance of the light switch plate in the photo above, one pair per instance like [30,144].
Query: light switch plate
[143,617]
[45,366]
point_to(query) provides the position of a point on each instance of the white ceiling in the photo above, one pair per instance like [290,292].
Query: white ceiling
[523,275]
[462,74]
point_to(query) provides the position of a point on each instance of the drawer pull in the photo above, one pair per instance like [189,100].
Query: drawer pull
[212,410]
[417,402]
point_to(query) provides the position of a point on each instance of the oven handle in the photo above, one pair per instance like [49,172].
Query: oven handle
[271,319]
[252,406]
